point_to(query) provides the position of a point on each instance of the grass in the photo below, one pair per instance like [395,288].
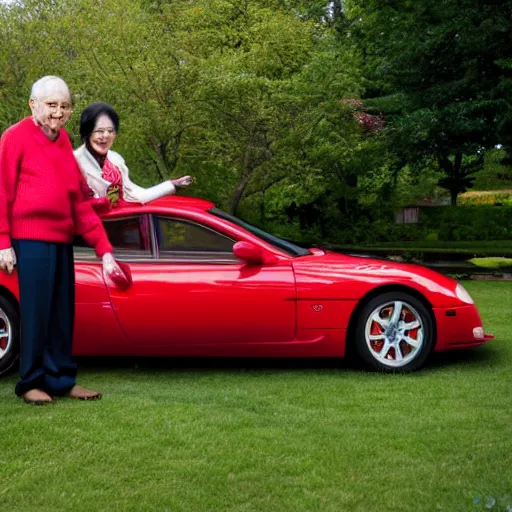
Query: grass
[491,262]
[272,436]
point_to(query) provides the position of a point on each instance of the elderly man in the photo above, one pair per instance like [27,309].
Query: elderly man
[42,207]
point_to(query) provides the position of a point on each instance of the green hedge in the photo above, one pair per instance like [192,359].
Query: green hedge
[470,223]
[497,198]
[442,223]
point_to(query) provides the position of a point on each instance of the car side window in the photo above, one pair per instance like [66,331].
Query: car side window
[129,237]
[184,240]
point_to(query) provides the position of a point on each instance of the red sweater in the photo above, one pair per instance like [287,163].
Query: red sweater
[42,190]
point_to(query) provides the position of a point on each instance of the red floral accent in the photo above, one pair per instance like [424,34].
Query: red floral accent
[370,123]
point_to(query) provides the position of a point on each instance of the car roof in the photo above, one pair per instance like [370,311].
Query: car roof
[188,203]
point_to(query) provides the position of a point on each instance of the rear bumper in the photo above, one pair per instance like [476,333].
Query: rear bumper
[456,328]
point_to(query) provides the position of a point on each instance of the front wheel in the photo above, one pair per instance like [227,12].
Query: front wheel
[9,335]
[394,333]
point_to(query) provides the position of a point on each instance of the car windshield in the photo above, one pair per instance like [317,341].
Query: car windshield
[279,243]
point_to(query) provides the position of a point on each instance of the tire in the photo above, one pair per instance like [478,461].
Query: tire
[394,333]
[9,335]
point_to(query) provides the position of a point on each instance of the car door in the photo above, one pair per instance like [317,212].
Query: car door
[97,331]
[196,292]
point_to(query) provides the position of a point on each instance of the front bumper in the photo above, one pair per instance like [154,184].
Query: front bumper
[456,326]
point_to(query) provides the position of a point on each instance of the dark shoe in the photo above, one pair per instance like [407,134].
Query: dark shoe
[37,397]
[81,393]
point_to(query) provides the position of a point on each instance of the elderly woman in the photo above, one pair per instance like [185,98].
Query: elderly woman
[43,204]
[105,170]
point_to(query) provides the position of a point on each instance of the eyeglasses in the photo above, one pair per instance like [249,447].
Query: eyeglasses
[53,106]
[104,131]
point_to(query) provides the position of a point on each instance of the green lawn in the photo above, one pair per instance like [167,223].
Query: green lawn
[272,436]
[491,262]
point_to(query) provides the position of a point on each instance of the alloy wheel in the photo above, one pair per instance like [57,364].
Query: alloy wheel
[394,333]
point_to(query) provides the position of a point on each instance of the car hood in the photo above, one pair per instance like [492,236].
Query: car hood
[329,275]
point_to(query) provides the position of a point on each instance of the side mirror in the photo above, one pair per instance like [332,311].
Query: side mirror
[253,254]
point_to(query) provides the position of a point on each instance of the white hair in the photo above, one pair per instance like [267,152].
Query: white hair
[48,85]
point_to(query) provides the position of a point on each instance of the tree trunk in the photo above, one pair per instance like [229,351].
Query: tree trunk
[456,173]
[453,197]
[248,165]
[239,192]
[262,209]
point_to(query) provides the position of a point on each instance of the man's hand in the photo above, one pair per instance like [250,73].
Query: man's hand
[184,181]
[7,259]
[110,267]
[118,273]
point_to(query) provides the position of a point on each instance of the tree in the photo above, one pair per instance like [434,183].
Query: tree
[438,71]
[240,82]
[244,95]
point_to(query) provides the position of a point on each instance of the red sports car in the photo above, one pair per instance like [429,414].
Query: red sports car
[207,284]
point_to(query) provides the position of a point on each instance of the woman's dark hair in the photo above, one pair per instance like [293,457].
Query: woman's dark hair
[90,116]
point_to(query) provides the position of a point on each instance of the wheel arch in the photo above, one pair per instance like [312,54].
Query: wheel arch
[378,291]
[5,292]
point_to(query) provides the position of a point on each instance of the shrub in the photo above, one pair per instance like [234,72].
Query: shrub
[476,223]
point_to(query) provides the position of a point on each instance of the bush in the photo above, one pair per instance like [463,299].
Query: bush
[472,223]
[369,227]
[385,230]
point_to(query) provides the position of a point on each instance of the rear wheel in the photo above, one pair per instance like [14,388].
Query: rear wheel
[9,335]
[394,333]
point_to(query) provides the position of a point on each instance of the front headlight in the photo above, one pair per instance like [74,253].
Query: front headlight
[463,294]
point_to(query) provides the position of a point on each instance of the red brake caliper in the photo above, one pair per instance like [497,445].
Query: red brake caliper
[413,333]
[3,341]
